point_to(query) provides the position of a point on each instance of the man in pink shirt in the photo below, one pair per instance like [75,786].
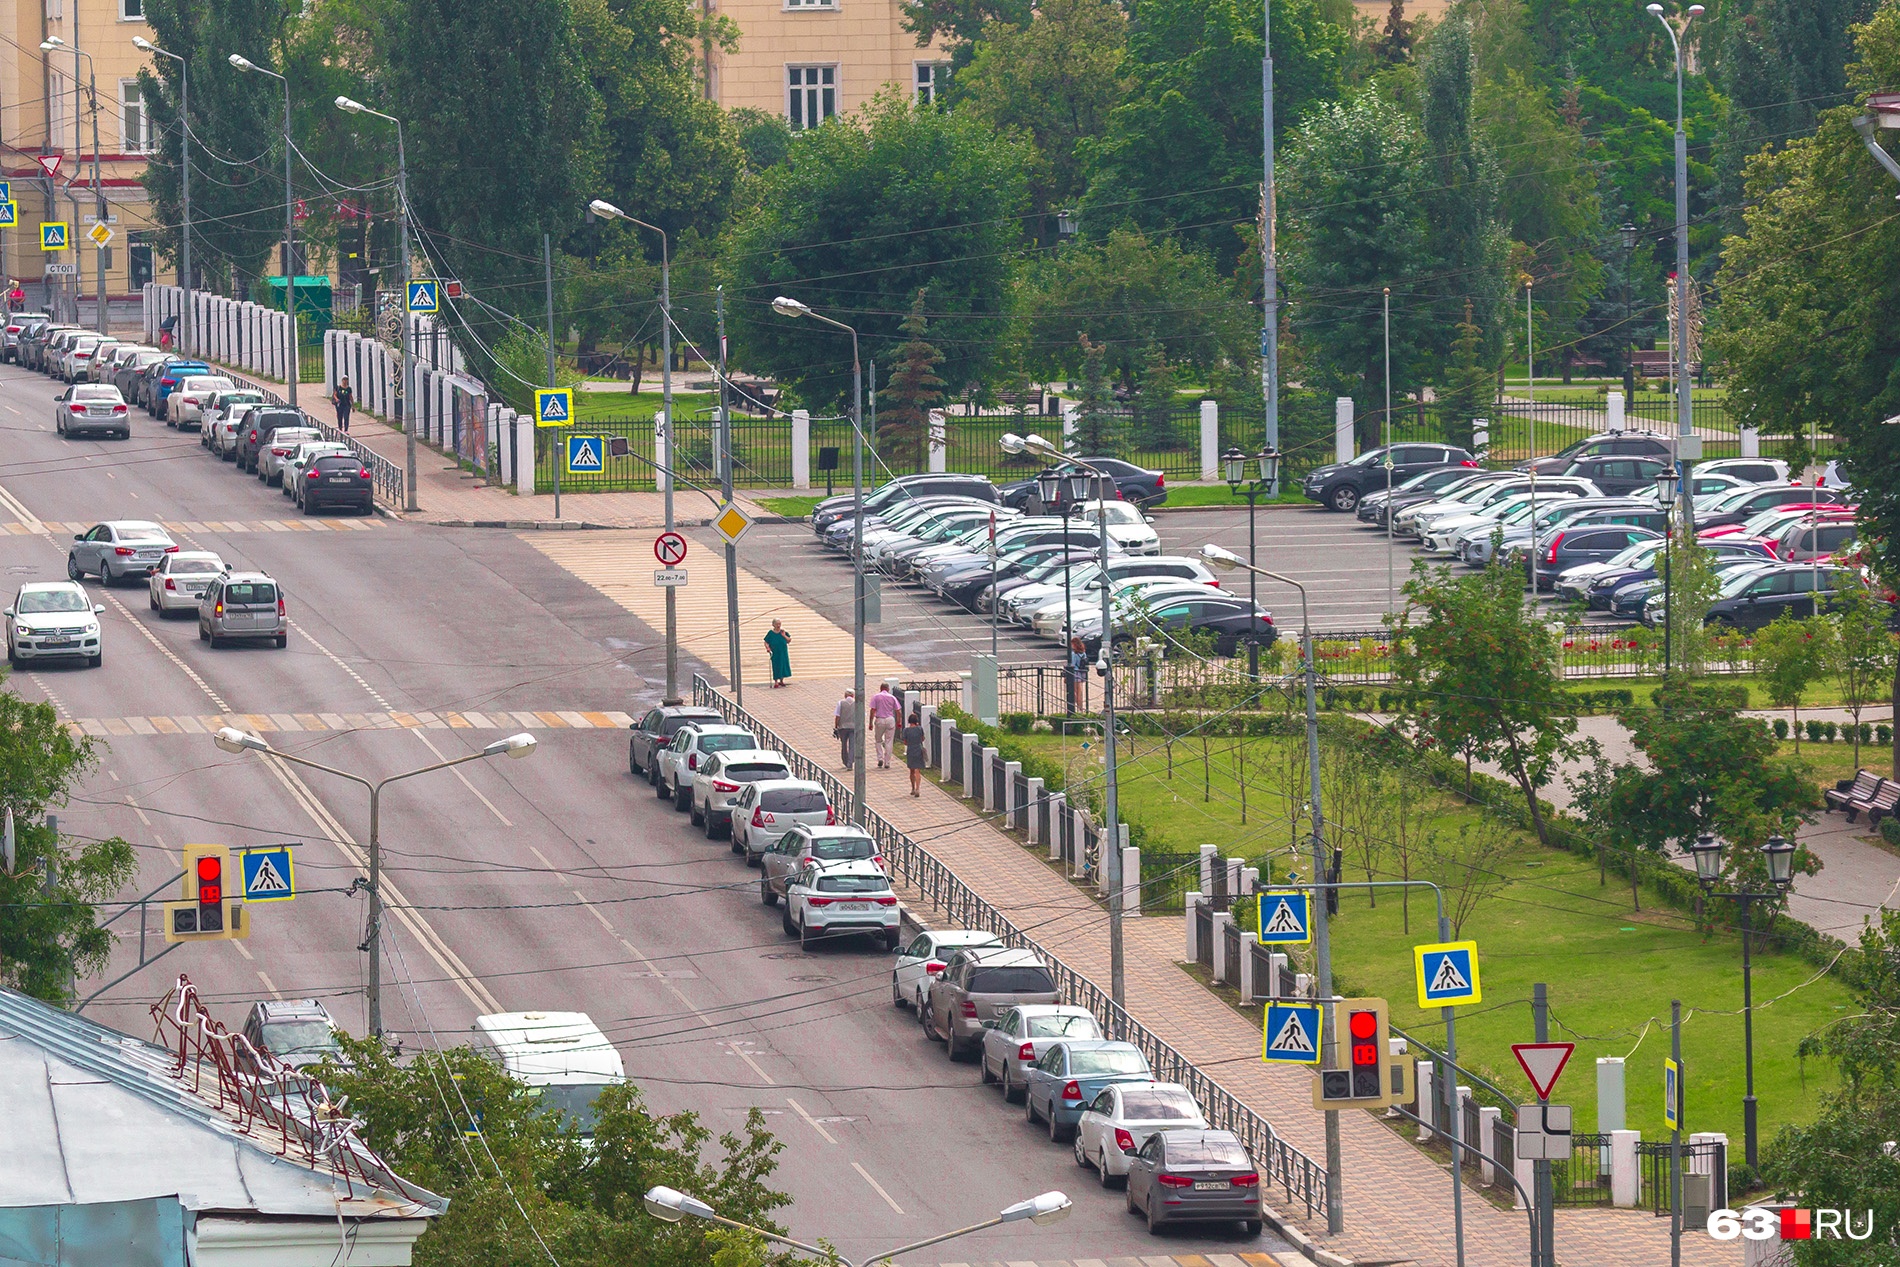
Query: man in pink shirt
[885,709]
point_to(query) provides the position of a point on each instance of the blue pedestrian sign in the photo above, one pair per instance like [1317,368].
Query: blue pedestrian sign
[1283,918]
[6,191]
[422,297]
[9,211]
[53,235]
[1290,1034]
[1447,974]
[553,407]
[1672,1094]
[584,455]
[268,875]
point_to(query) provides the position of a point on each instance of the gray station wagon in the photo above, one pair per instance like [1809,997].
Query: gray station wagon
[243,605]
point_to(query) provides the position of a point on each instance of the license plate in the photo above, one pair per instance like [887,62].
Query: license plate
[1216,1185]
[339,479]
[854,906]
[56,642]
[146,554]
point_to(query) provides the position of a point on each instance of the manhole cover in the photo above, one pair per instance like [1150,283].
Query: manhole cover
[787,954]
[815,980]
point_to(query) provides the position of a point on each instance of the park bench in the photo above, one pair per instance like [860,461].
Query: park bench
[1859,788]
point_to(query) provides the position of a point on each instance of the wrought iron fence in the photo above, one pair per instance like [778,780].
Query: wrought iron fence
[1705,1158]
[1583,1179]
[1166,879]
[386,477]
[1298,1176]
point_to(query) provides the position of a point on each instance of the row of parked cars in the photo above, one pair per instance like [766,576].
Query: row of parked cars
[984,1001]
[958,538]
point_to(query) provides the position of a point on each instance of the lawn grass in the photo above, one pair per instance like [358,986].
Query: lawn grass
[1611,971]
[621,404]
[797,507]
[1221,495]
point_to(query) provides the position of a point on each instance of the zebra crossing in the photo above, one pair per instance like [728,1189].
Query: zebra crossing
[293,723]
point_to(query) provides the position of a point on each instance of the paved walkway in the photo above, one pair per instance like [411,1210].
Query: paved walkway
[1397,1198]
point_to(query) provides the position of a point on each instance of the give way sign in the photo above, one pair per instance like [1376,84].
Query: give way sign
[1543,1063]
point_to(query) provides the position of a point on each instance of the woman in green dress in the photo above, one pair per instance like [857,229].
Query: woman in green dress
[780,644]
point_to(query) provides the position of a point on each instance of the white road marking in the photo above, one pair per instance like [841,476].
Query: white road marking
[239,947]
[877,1186]
[136,810]
[818,1126]
[268,983]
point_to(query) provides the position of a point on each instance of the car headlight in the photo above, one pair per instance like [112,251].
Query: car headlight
[23,630]
[92,629]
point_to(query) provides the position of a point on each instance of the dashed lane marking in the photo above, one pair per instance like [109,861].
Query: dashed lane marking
[293,723]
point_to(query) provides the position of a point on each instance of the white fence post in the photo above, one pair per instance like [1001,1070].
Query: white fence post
[1617,404]
[1058,806]
[1248,986]
[1428,1115]
[1210,440]
[801,448]
[1751,442]
[1487,1140]
[1626,1175]
[939,441]
[1342,429]
[1069,411]
[1222,919]
[1032,797]
[1209,854]
[1131,878]
[660,423]
[1190,904]
[524,454]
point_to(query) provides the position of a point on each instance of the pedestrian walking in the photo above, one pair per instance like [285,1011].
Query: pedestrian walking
[343,398]
[844,725]
[779,643]
[915,754]
[885,710]
[1078,675]
[16,297]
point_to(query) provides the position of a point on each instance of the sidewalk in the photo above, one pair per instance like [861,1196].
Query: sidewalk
[1397,1199]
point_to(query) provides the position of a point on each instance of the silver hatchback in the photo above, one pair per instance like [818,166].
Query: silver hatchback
[243,605]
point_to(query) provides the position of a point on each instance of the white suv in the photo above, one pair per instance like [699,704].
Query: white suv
[681,759]
[722,776]
[842,900]
[53,620]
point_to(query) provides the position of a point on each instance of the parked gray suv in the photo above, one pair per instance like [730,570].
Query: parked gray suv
[976,987]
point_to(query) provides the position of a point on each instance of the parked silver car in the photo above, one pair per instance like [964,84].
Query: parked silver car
[979,985]
[1022,1034]
[117,549]
[243,605]
[764,812]
[273,457]
[804,846]
[92,407]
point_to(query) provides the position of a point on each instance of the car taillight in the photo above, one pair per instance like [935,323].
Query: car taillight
[758,818]
[877,860]
[934,967]
[218,608]
[1469,462]
[171,549]
[692,761]
[1161,479]
[168,382]
[968,1008]
[1071,1090]
[1174,1181]
[118,409]
[1123,1140]
[1026,1052]
[720,785]
[76,409]
[121,550]
[820,901]
[312,475]
[831,816]
[888,900]
[169,584]
[253,437]
[363,474]
[1245,1181]
[280,607]
[1554,543]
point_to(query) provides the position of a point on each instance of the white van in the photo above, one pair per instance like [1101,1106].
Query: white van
[562,1054]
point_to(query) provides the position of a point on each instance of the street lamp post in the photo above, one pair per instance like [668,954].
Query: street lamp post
[1710,854]
[670,1206]
[184,172]
[236,741]
[785,307]
[293,366]
[606,210]
[1666,496]
[1628,235]
[1685,425]
[1049,488]
[50,43]
[1235,464]
[404,418]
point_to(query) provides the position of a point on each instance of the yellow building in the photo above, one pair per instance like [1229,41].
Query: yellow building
[36,123]
[806,60]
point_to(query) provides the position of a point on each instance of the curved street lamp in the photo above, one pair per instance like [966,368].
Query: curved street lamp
[293,366]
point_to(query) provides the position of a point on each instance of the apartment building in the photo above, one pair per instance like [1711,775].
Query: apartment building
[38,114]
[807,60]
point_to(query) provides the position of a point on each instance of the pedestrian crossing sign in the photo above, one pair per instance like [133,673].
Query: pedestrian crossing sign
[553,408]
[1290,1034]
[1283,918]
[583,455]
[6,191]
[268,876]
[1447,974]
[53,235]
[422,296]
[1672,1094]
[9,212]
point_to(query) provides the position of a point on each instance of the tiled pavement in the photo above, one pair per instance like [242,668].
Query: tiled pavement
[1146,1260]
[1398,1205]
[268,723]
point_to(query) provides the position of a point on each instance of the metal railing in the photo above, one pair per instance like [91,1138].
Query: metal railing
[1585,1178]
[385,475]
[1707,1157]
[1297,1175]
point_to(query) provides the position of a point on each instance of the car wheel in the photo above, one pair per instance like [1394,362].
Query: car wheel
[204,635]
[659,788]
[1344,499]
[1055,1127]
[924,1020]
[1250,1227]
[897,994]
[151,600]
[73,571]
[767,894]
[283,640]
[682,797]
[738,842]
[1154,1224]
[13,658]
[711,825]
[803,935]
[785,922]
[692,812]
[1029,1107]
[1128,1201]
[1102,1171]
[94,662]
[1081,1158]
[1008,1084]
[890,943]
[126,434]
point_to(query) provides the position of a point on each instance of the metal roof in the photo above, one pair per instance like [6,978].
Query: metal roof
[94,1115]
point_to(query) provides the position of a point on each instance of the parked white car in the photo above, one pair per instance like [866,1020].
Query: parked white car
[184,408]
[75,360]
[764,813]
[221,434]
[217,407]
[181,580]
[845,899]
[1022,1034]
[51,620]
[722,776]
[680,760]
[1128,529]
[1122,1117]
[925,957]
[283,442]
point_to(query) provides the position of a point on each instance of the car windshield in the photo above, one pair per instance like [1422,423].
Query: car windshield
[796,800]
[1107,1060]
[853,884]
[841,848]
[1636,556]
[95,392]
[724,743]
[1430,480]
[573,1101]
[1117,512]
[1206,1152]
[1063,1025]
[1159,1104]
[1739,580]
[311,1037]
[250,594]
[754,773]
[36,601]
[192,567]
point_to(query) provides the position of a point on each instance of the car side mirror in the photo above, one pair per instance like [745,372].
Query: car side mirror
[79,536]
[1130,1150]
[98,609]
[8,613]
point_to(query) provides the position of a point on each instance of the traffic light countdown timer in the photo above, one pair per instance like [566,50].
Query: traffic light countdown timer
[208,912]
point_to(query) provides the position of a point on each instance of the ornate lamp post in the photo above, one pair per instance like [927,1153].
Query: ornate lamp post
[1236,464]
[1665,497]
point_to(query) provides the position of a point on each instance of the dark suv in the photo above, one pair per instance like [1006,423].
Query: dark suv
[904,487]
[1617,476]
[259,426]
[1133,483]
[1340,485]
[1632,444]
[655,731]
[338,479]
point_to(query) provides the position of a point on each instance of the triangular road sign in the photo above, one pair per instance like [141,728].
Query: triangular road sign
[1448,980]
[49,163]
[1543,1063]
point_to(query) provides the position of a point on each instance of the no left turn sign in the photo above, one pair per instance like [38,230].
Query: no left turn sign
[670,549]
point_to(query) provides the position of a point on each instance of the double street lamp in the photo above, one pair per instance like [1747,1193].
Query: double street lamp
[293,368]
[1051,487]
[184,171]
[1236,463]
[1711,854]
[670,1206]
[233,740]
[49,44]
[1666,481]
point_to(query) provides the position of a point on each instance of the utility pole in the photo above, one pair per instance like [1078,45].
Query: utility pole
[1540,1170]
[666,459]
[725,490]
[1270,266]
[547,264]
[1675,1139]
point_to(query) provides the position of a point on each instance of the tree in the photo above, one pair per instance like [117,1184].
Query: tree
[1098,423]
[1466,391]
[1153,404]
[1479,668]
[1182,154]
[880,204]
[913,392]
[528,1181]
[1395,40]
[1787,660]
[1468,867]
[50,934]
[962,22]
[1861,653]
[1054,81]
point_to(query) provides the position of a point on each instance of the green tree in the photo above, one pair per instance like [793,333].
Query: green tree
[1787,660]
[50,934]
[1153,404]
[1466,392]
[1468,243]
[889,201]
[1860,653]
[1098,423]
[1053,81]
[914,391]
[962,23]
[1182,154]
[1479,668]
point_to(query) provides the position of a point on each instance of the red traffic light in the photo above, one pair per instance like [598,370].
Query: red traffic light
[1364,1027]
[210,881]
[1364,1024]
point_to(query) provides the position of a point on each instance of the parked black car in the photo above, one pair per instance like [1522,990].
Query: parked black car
[832,509]
[1617,476]
[1639,444]
[966,585]
[655,731]
[1340,485]
[259,426]
[1755,599]
[338,480]
[1602,525]
[1232,620]
[1626,601]
[1376,508]
[1134,483]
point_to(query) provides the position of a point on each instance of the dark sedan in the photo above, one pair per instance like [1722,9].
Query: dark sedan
[1745,504]
[1133,483]
[1377,507]
[903,488]
[1629,599]
[1340,485]
[964,585]
[338,480]
[1194,1177]
[1232,621]
[1754,599]
[1618,476]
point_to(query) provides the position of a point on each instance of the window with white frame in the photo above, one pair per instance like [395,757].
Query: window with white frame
[932,79]
[135,129]
[811,95]
[810,4]
[131,10]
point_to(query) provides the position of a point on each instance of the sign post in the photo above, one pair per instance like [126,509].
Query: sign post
[1672,1118]
[1448,978]
[553,406]
[1543,1063]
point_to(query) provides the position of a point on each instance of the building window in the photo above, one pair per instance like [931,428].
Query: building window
[811,4]
[932,79]
[131,10]
[134,128]
[812,95]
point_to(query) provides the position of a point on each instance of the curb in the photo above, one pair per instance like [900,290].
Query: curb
[570,525]
[1239,505]
[1291,1234]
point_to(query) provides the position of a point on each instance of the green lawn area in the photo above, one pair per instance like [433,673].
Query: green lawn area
[797,507]
[1221,495]
[1611,972]
[623,404]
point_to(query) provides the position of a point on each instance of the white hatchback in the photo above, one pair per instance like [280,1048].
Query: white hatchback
[181,580]
[1122,1116]
[925,957]
[763,812]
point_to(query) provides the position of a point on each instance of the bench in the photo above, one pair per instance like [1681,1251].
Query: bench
[1860,788]
[1878,805]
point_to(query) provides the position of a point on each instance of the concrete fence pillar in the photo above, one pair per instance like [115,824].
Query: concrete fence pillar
[801,448]
[1427,1101]
[1751,442]
[1249,881]
[1131,878]
[1222,921]
[970,785]
[938,459]
[947,730]
[1069,412]
[1626,1172]
[1233,881]
[1617,404]
[1190,904]
[1303,985]
[1079,826]
[524,455]
[1210,440]
[1058,810]
[1276,965]
[990,758]
[1342,429]
[1032,797]
[660,424]
[1487,1142]
[1249,987]
[1011,797]
[1209,854]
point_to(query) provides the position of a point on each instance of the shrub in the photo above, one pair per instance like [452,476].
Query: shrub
[1866,733]
[1781,727]
[1814,730]
[1890,830]
[1883,734]
[1829,730]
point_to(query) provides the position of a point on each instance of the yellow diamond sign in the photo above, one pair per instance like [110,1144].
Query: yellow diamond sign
[731,523]
[100,234]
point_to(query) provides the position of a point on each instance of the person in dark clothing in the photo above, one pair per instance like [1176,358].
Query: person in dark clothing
[344,399]
[915,753]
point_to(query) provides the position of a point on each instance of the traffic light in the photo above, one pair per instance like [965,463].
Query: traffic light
[208,879]
[211,910]
[1362,1074]
[1365,1042]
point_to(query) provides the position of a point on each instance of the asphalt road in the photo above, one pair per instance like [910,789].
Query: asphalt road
[554,882]
[1342,562]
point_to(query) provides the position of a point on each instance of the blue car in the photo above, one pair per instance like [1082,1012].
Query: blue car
[168,376]
[1060,1085]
